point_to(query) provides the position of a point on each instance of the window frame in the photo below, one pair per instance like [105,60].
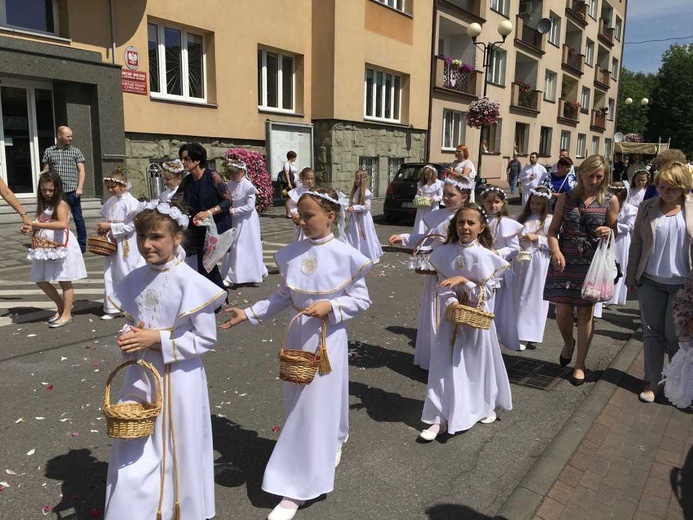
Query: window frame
[262,76]
[525,131]
[56,20]
[495,64]
[565,140]
[614,68]
[592,9]
[395,3]
[595,147]
[581,146]
[589,52]
[503,9]
[548,90]
[185,64]
[545,151]
[395,96]
[608,148]
[555,30]
[618,28]
[497,136]
[585,94]
[611,109]
[461,130]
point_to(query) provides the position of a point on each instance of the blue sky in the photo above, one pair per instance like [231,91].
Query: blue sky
[652,20]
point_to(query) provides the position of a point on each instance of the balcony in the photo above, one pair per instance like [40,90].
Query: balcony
[576,10]
[528,38]
[606,33]
[598,121]
[602,78]
[469,7]
[572,61]
[568,111]
[525,99]
[453,79]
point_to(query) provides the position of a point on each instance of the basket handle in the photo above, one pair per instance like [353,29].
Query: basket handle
[419,244]
[323,331]
[144,364]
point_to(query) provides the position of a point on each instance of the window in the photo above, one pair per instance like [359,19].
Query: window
[495,73]
[383,95]
[453,129]
[618,28]
[521,138]
[565,140]
[607,148]
[585,99]
[610,112]
[555,32]
[581,145]
[393,166]
[34,15]
[545,141]
[589,52]
[550,81]
[397,5]
[371,165]
[595,145]
[500,6]
[491,138]
[275,78]
[176,63]
[592,8]
[614,69]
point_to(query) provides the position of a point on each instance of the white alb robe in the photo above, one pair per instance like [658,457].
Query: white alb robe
[360,230]
[243,263]
[180,303]
[434,191]
[302,465]
[120,213]
[624,229]
[294,195]
[467,379]
[529,279]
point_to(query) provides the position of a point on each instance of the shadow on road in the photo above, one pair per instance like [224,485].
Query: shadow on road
[457,512]
[365,355]
[84,484]
[682,485]
[383,406]
[409,332]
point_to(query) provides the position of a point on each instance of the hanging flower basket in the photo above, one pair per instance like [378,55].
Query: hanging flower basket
[483,112]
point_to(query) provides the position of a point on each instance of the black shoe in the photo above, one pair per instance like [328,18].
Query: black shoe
[576,381]
[564,362]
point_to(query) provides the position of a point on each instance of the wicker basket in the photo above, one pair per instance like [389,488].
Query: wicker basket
[421,202]
[475,317]
[100,245]
[299,366]
[131,420]
[419,257]
[39,242]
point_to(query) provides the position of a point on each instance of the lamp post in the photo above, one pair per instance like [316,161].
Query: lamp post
[637,112]
[473,31]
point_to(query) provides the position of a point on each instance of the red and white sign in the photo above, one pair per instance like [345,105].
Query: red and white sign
[132,58]
[133,82]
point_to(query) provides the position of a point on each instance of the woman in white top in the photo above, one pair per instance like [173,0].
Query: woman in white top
[428,186]
[463,166]
[658,263]
[289,182]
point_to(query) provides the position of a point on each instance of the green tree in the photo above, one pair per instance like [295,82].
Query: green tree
[671,103]
[633,117]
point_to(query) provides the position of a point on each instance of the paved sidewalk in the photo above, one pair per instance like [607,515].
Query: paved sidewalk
[635,461]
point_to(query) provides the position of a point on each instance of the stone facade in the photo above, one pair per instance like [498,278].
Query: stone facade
[342,147]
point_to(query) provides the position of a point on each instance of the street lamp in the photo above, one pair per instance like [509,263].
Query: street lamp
[637,113]
[473,31]
[644,101]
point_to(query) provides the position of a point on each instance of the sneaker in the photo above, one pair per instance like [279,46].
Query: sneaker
[491,418]
[110,316]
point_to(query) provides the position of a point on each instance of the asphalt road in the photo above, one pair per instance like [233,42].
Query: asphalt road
[54,449]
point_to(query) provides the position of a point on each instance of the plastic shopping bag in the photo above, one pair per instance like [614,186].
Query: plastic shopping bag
[599,282]
[216,245]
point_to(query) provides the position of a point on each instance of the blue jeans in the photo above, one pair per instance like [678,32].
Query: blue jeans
[512,182]
[75,204]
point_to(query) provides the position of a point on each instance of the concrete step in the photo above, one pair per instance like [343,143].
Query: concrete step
[91,208]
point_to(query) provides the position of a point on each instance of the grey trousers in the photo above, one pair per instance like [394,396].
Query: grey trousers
[658,332]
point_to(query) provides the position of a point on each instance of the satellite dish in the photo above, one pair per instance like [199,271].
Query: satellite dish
[544,25]
[618,137]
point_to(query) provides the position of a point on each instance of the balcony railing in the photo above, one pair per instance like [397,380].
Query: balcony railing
[524,97]
[572,59]
[602,77]
[606,34]
[452,78]
[577,10]
[568,109]
[598,119]
[528,35]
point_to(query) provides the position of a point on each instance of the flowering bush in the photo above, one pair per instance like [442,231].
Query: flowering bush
[483,112]
[525,88]
[633,138]
[257,172]
[457,64]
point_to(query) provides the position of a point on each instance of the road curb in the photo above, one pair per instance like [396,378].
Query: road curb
[528,495]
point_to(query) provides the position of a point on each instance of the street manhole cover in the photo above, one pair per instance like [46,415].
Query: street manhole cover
[533,373]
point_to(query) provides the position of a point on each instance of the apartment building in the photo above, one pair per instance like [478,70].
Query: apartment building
[557,89]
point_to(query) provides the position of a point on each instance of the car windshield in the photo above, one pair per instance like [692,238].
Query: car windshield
[408,173]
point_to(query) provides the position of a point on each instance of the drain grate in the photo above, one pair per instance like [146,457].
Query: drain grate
[533,373]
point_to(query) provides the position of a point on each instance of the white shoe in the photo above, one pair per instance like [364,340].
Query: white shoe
[429,435]
[491,418]
[338,457]
[523,345]
[281,513]
[110,316]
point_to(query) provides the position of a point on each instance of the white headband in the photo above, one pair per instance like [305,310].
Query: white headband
[174,166]
[343,204]
[117,181]
[495,189]
[340,203]
[165,209]
[237,164]
[540,194]
[469,185]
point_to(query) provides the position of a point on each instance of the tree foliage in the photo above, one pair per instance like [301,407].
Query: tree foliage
[635,85]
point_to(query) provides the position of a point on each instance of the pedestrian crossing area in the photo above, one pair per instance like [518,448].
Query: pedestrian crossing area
[22,301]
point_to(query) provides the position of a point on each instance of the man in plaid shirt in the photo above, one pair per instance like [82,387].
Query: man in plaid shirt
[68,162]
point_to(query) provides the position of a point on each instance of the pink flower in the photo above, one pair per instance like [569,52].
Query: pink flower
[257,172]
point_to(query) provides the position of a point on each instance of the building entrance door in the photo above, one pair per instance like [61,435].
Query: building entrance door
[26,130]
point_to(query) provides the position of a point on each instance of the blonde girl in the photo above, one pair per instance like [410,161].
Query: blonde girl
[431,187]
[360,230]
[172,176]
[307,177]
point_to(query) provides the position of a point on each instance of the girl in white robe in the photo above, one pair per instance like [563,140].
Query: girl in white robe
[173,172]
[243,263]
[638,186]
[118,213]
[169,309]
[307,177]
[360,230]
[322,284]
[431,187]
[505,232]
[530,267]
[455,194]
[624,229]
[467,381]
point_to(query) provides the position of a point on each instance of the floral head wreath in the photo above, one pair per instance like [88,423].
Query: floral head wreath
[116,181]
[237,164]
[165,209]
[617,187]
[175,166]
[469,185]
[484,215]
[538,193]
[493,189]
[343,204]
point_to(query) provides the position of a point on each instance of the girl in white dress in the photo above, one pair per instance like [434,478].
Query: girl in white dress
[505,232]
[307,177]
[467,381]
[172,177]
[428,186]
[638,186]
[118,213]
[243,263]
[55,254]
[323,285]
[624,229]
[530,267]
[169,309]
[455,193]
[360,230]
